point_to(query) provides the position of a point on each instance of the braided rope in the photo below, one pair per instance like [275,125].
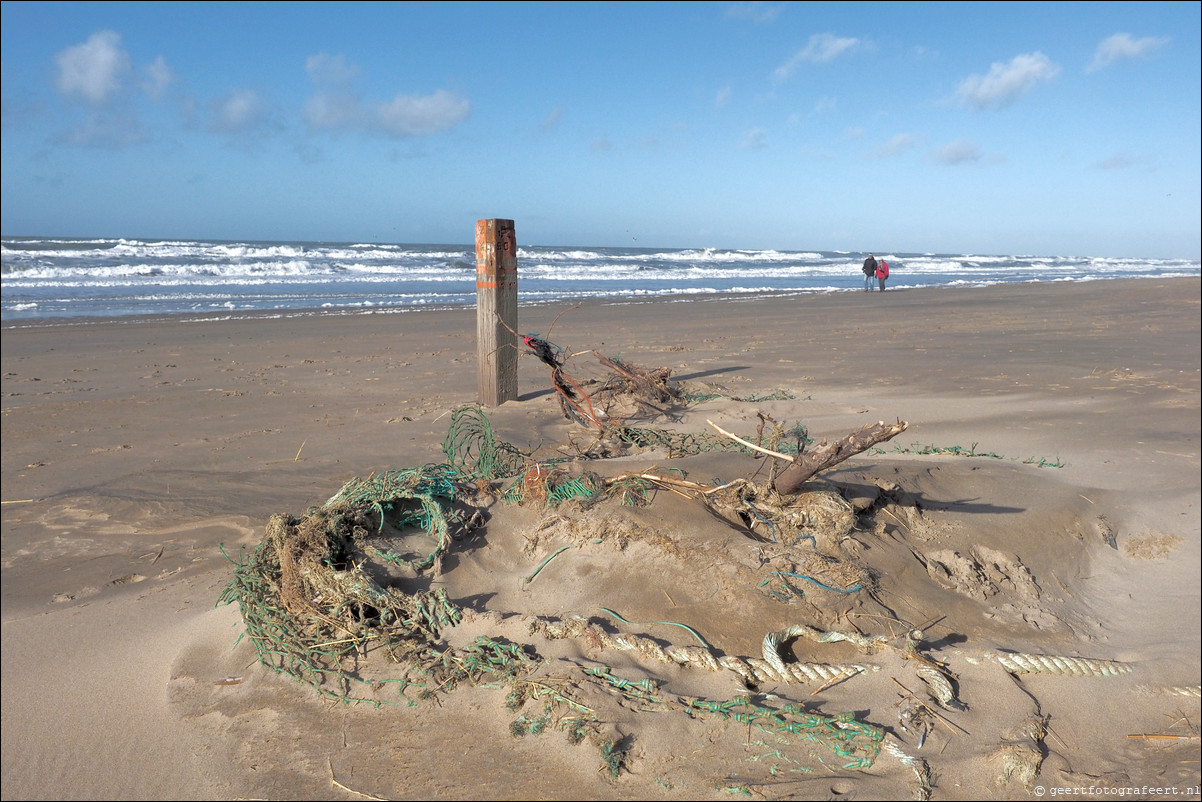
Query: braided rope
[1072,666]
[756,672]
[752,670]
[1188,691]
[807,672]
[922,772]
[938,684]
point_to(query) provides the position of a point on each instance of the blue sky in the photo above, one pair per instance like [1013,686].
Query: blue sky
[990,128]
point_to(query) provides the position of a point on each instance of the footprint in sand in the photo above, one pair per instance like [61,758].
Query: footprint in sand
[982,573]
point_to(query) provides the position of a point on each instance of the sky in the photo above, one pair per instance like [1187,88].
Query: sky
[986,128]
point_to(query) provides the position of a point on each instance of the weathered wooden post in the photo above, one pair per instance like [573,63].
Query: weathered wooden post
[496,311]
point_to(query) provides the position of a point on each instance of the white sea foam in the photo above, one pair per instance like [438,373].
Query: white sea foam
[45,278]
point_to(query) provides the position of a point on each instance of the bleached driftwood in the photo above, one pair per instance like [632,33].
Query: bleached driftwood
[824,455]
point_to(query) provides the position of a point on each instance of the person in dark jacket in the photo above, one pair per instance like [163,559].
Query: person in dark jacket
[869,272]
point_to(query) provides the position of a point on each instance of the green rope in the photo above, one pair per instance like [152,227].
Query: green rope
[530,578]
[324,647]
[692,631]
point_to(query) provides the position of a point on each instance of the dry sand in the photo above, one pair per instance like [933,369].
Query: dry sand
[133,451]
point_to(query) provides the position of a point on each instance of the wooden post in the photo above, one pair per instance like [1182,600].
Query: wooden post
[496,311]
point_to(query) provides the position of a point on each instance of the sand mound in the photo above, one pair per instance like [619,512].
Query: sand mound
[641,611]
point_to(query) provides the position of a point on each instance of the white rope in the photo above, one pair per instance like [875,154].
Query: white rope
[1073,666]
[752,670]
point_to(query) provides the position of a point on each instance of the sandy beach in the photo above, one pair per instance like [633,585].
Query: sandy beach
[1037,521]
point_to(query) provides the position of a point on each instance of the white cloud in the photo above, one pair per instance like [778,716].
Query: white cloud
[157,77]
[93,70]
[723,96]
[959,152]
[406,115]
[1006,83]
[239,110]
[1122,46]
[822,48]
[336,105]
[100,74]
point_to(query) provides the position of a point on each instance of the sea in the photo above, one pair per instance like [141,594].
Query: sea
[59,281]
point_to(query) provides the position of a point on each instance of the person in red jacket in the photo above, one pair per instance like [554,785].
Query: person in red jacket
[882,272]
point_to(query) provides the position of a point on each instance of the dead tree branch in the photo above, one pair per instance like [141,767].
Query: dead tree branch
[825,455]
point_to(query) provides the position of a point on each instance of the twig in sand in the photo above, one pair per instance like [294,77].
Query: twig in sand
[357,639]
[657,479]
[890,620]
[542,688]
[847,672]
[661,480]
[1052,733]
[752,446]
[894,517]
[348,790]
[903,599]
[1181,719]
[298,451]
[927,707]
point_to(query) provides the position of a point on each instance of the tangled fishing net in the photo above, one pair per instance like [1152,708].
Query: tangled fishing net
[340,598]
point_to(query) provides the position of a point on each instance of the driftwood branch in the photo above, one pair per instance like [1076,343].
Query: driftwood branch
[826,455]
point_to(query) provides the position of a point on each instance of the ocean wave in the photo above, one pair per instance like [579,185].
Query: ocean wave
[49,277]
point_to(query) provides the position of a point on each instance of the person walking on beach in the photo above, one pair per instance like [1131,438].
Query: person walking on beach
[882,273]
[869,272]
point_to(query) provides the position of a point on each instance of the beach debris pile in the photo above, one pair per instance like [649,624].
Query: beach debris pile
[337,596]
[344,597]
